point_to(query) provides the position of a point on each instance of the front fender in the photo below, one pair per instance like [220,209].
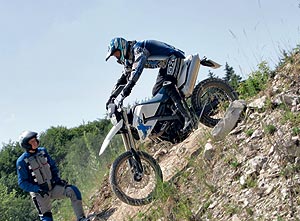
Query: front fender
[110,135]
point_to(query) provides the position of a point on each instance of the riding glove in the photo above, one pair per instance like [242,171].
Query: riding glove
[43,192]
[61,182]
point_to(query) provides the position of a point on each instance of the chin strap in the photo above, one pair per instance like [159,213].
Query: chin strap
[34,151]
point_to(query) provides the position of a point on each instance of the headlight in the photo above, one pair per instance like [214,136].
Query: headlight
[113,119]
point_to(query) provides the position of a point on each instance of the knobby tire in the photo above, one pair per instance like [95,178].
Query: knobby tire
[114,179]
[202,88]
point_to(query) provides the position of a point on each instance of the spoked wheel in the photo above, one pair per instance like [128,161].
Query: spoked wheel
[211,98]
[131,186]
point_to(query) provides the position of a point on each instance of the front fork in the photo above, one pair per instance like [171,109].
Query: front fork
[135,161]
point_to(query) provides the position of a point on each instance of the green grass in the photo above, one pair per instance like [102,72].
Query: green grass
[291,117]
[295,131]
[270,129]
[249,132]
[256,82]
[251,182]
[231,209]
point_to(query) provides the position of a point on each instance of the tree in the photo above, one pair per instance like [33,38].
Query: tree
[232,78]
[8,157]
[75,151]
[211,74]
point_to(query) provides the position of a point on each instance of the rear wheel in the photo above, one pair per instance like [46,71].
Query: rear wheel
[125,184]
[210,99]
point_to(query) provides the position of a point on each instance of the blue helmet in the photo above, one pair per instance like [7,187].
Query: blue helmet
[117,44]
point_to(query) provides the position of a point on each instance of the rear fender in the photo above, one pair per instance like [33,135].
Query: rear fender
[110,135]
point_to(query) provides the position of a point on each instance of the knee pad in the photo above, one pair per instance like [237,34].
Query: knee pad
[75,190]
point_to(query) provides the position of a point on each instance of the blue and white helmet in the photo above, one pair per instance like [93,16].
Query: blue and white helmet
[117,44]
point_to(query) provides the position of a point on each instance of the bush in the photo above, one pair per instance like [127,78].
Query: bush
[256,82]
[14,208]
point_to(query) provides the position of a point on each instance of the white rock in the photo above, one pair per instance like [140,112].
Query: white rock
[208,152]
[258,103]
[226,124]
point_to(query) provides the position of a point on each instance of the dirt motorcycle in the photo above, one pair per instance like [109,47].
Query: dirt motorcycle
[135,175]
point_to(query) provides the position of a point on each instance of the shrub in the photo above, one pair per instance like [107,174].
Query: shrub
[256,82]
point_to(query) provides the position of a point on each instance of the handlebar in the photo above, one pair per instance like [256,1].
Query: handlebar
[115,105]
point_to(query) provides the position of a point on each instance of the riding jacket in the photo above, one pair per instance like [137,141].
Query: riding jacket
[145,54]
[36,169]
[149,54]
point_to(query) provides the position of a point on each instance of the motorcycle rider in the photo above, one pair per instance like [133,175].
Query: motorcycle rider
[137,55]
[39,175]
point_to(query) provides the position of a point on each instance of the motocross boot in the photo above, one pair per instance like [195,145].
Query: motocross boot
[83,219]
[184,113]
[176,98]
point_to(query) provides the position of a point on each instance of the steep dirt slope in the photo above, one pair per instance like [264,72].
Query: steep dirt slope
[172,159]
[253,174]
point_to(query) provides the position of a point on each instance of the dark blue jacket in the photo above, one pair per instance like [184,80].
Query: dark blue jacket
[149,54]
[25,179]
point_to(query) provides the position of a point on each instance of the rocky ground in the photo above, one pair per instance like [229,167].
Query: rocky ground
[252,174]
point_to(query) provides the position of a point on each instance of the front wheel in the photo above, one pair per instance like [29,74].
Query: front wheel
[127,187]
[210,99]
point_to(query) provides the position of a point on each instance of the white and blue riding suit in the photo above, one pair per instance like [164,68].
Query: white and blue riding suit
[38,170]
[151,54]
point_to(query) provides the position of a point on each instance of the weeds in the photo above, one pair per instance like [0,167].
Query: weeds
[250,182]
[295,131]
[165,191]
[256,82]
[291,117]
[249,211]
[232,161]
[270,129]
[231,209]
[289,170]
[249,132]
[286,58]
